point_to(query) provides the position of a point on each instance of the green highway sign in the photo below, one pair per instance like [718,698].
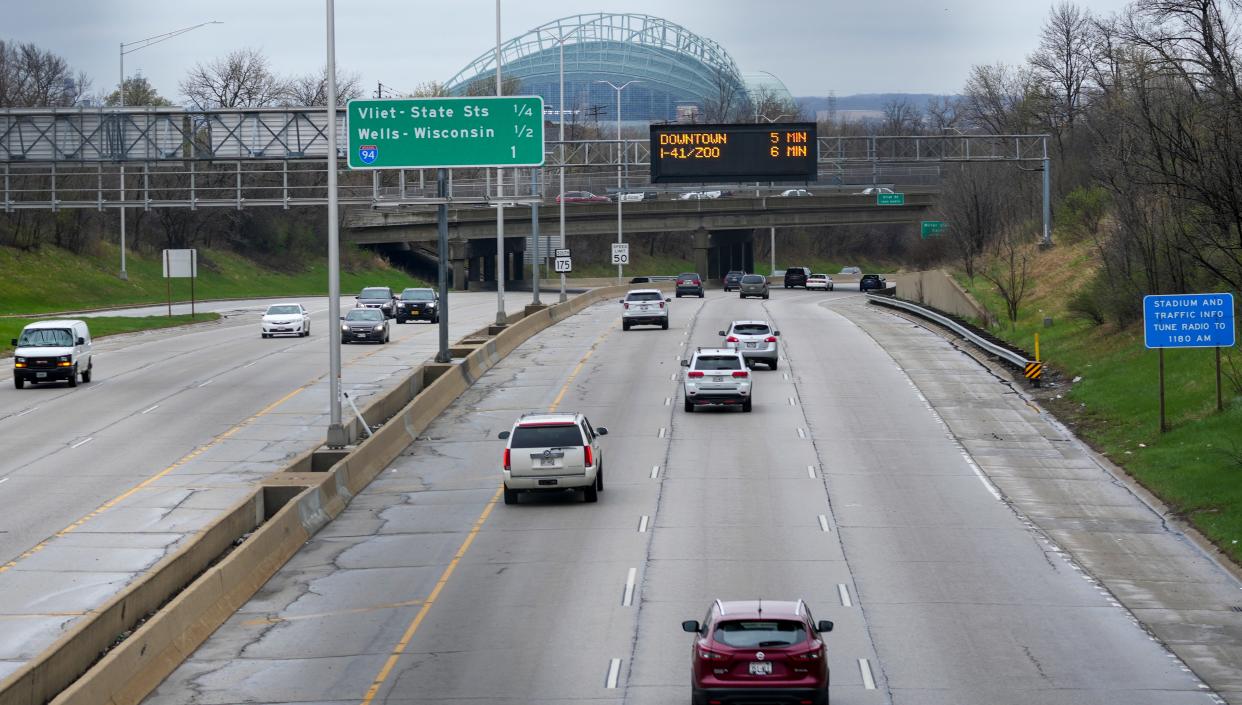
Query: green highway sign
[424,133]
[890,199]
[932,228]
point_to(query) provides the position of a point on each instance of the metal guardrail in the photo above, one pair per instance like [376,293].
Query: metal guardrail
[1004,353]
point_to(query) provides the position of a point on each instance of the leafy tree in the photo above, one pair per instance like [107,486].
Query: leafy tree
[138,91]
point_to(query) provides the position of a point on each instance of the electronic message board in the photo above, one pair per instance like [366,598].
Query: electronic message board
[784,151]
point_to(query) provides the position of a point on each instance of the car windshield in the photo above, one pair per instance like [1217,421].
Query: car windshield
[375,292]
[644,296]
[717,362]
[45,338]
[418,295]
[750,329]
[549,436]
[749,634]
[364,314]
[282,310]
[752,279]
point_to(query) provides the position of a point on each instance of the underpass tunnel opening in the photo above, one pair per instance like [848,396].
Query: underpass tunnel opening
[721,251]
[472,264]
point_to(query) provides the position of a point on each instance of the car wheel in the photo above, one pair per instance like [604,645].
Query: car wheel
[511,496]
[689,407]
[86,376]
[625,325]
[73,377]
[590,495]
[265,335]
[599,479]
[772,364]
[746,406]
[18,382]
[766,296]
[678,295]
[701,294]
[664,324]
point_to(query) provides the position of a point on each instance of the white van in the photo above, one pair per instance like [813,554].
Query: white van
[53,351]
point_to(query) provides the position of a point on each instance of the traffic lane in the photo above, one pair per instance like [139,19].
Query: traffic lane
[233,307]
[743,515]
[955,586]
[539,574]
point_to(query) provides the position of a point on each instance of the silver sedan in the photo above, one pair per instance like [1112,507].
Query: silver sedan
[756,340]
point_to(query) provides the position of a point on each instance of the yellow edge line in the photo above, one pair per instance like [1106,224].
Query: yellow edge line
[395,655]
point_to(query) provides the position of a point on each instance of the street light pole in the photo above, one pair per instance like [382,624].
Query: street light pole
[501,318]
[561,196]
[620,148]
[142,44]
[336,432]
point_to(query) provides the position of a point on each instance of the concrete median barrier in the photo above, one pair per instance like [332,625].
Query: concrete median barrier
[148,629]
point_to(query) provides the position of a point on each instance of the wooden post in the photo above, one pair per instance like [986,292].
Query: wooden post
[1163,426]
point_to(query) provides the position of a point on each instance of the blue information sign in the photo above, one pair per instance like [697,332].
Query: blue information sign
[1188,321]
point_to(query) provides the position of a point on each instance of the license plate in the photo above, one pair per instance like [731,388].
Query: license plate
[360,335]
[717,379]
[760,668]
[751,345]
[40,374]
[547,463]
[547,482]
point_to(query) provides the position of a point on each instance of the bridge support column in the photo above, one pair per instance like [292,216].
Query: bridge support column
[702,248]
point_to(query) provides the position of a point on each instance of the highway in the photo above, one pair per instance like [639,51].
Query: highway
[100,482]
[876,498]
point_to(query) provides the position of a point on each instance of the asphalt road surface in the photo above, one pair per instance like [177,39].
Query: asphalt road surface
[844,487]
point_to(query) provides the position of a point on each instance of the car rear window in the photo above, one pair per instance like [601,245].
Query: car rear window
[644,296]
[871,276]
[687,275]
[717,362]
[555,436]
[750,329]
[752,279]
[765,633]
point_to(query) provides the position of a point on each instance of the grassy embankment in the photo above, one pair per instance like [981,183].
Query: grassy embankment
[1194,467]
[51,279]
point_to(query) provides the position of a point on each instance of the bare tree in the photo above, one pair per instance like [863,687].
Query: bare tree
[242,79]
[902,118]
[1009,269]
[971,203]
[312,88]
[1063,60]
[32,78]
[943,114]
[1001,99]
[429,89]
[726,100]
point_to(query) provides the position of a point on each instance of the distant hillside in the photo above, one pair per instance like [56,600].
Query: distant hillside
[863,101]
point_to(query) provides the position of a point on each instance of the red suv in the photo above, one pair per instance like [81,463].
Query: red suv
[758,650]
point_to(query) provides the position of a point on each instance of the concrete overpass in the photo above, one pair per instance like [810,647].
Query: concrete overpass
[722,229]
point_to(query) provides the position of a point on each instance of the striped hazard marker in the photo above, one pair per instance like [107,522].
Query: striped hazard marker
[1033,371]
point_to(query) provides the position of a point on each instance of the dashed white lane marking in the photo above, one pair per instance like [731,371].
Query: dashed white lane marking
[791,401]
[82,443]
[250,364]
[864,667]
[673,377]
[614,672]
[204,384]
[823,522]
[150,409]
[668,401]
[785,375]
[27,411]
[810,470]
[801,433]
[642,524]
[844,591]
[655,470]
[628,598]
[662,430]
[3,480]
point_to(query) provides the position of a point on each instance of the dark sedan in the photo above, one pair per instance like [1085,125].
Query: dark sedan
[733,280]
[872,281]
[365,324]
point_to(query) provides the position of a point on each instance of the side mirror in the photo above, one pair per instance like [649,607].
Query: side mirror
[690,625]
[777,333]
[342,318]
[601,431]
[824,625]
[81,341]
[13,342]
[621,301]
[668,301]
[503,435]
[722,333]
[685,363]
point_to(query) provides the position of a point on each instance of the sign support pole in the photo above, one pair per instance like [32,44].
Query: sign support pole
[534,231]
[336,437]
[168,283]
[772,250]
[1220,402]
[442,251]
[501,318]
[1163,426]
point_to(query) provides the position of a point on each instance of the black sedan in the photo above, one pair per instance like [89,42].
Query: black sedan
[365,324]
[418,305]
[872,281]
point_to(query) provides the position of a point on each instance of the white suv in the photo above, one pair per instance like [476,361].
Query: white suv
[756,340]
[645,307]
[553,452]
[717,377]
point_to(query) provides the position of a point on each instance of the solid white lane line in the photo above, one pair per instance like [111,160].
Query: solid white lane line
[250,364]
[614,672]
[642,524]
[149,410]
[810,470]
[628,598]
[82,443]
[204,384]
[823,522]
[655,470]
[801,433]
[844,592]
[3,480]
[864,667]
[662,432]
[27,411]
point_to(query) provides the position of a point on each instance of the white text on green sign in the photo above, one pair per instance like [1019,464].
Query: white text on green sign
[890,199]
[421,133]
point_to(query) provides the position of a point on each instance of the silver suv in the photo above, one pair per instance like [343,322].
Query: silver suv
[645,307]
[755,340]
[717,377]
[553,452]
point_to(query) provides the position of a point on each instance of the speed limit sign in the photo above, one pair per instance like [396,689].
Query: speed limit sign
[620,253]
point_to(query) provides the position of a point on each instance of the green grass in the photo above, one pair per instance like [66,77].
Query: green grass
[104,325]
[50,279]
[1194,468]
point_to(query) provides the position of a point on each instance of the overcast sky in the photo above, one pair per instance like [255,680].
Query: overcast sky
[815,46]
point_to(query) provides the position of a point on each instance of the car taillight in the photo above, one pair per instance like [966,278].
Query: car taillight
[625,305]
[741,373]
[731,339]
[507,459]
[680,282]
[590,457]
[661,304]
[813,656]
[770,339]
[697,282]
[695,374]
[709,655]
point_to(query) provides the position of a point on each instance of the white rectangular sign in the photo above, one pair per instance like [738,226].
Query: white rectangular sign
[620,253]
[562,252]
[564,264]
[180,264]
